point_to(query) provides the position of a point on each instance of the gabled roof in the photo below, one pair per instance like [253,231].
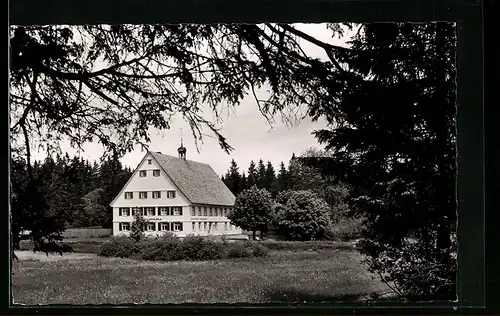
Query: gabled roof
[197,181]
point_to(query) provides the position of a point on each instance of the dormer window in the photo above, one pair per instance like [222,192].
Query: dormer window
[150,161]
[142,173]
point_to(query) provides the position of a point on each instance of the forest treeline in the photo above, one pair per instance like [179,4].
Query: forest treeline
[75,190]
[299,174]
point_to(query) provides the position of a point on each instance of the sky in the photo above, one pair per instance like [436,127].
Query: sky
[246,130]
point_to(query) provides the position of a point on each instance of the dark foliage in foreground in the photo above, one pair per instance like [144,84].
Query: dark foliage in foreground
[393,141]
[171,248]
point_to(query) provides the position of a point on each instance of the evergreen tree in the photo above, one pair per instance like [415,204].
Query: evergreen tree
[252,175]
[293,173]
[271,183]
[243,182]
[112,179]
[261,174]
[283,181]
[394,144]
[233,178]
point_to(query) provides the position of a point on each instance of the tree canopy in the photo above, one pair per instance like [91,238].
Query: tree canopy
[252,210]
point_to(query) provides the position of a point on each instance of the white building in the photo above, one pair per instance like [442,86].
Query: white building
[175,195]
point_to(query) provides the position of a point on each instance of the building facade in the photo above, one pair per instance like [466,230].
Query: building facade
[174,195]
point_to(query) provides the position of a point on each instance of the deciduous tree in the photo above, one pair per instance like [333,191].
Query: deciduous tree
[302,215]
[252,210]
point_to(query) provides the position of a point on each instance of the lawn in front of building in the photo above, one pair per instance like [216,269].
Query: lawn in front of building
[284,276]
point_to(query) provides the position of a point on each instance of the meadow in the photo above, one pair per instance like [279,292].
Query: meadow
[318,274]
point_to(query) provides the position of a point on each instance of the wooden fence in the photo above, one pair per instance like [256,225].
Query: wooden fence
[87,232]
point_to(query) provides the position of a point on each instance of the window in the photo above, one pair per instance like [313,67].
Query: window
[225,226]
[211,212]
[149,161]
[205,226]
[136,210]
[129,195]
[177,227]
[124,211]
[150,227]
[193,211]
[204,211]
[142,173]
[150,211]
[231,226]
[164,226]
[199,225]
[156,173]
[156,194]
[163,211]
[177,210]
[170,194]
[194,226]
[143,195]
[199,211]
[215,226]
[124,227]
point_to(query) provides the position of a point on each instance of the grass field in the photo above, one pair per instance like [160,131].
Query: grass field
[284,276]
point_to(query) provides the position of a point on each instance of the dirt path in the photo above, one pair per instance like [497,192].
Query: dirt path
[40,256]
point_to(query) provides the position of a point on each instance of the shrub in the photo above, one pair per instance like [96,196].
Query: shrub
[171,248]
[199,248]
[235,250]
[164,248]
[259,250]
[302,215]
[416,271]
[246,250]
[122,247]
[304,245]
[347,229]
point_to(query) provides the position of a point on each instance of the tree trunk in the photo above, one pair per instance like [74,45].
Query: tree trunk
[253,234]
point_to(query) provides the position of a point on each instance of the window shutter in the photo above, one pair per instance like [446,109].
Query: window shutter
[154,211]
[159,226]
[181,228]
[180,210]
[120,211]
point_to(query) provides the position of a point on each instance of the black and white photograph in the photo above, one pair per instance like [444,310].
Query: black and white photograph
[233,163]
